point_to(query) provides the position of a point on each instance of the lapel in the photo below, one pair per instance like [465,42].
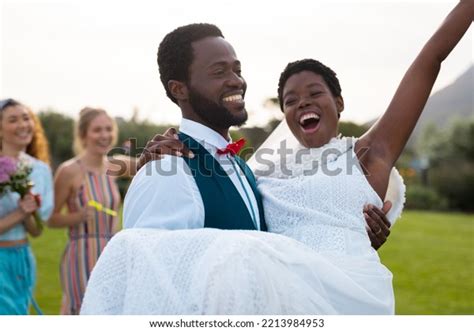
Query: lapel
[224,206]
[253,184]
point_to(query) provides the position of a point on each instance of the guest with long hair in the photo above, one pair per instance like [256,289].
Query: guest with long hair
[22,141]
[92,198]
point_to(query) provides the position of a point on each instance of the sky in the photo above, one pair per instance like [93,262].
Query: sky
[69,54]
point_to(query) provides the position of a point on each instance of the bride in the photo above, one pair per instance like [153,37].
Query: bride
[317,258]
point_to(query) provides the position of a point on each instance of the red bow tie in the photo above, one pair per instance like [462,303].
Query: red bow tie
[232,148]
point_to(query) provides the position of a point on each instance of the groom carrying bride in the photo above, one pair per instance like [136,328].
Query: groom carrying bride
[316,257]
[204,184]
[202,75]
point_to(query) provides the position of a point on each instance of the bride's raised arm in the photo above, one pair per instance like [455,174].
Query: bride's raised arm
[385,140]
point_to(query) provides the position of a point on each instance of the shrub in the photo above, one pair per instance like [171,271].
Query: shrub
[420,197]
[455,181]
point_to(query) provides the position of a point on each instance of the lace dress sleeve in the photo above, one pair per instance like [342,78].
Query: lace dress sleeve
[396,194]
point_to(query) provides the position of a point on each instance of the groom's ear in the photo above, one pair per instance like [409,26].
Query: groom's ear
[178,90]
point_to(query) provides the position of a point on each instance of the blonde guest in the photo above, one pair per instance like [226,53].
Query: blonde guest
[92,198]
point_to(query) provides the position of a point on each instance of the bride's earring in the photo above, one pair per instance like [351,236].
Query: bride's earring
[338,115]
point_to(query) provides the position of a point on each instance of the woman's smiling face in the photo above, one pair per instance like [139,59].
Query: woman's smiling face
[16,126]
[310,108]
[100,135]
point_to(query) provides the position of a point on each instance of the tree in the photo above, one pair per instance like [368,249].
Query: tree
[59,131]
[350,129]
[451,156]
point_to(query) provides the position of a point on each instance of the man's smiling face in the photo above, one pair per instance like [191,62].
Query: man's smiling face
[216,86]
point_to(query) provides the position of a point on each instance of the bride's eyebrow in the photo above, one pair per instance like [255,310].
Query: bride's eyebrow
[314,85]
[288,93]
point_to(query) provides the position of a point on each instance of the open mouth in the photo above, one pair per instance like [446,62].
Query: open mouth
[104,144]
[309,122]
[24,135]
[235,99]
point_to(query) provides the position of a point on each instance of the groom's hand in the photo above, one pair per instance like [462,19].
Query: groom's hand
[163,144]
[378,226]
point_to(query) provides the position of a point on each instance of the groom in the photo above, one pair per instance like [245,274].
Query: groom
[202,75]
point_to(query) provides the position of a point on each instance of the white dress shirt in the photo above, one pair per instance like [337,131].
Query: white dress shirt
[164,194]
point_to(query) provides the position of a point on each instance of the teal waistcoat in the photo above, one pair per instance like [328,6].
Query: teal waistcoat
[223,205]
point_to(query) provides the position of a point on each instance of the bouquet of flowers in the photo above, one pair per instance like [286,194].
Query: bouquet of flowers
[14,177]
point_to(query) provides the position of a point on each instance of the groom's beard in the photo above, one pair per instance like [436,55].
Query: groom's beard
[214,114]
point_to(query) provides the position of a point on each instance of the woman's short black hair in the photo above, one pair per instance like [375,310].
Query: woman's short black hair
[317,67]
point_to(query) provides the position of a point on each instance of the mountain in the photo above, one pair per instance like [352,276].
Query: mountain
[454,101]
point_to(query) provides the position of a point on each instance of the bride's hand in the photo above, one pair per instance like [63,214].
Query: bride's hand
[378,226]
[165,144]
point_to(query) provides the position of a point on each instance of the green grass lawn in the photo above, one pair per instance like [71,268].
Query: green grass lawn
[430,254]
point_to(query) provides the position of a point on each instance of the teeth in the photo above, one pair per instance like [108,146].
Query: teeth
[308,116]
[236,97]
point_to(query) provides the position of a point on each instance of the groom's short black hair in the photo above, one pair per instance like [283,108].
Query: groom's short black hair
[317,67]
[175,53]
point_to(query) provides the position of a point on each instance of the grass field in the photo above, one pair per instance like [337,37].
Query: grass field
[430,254]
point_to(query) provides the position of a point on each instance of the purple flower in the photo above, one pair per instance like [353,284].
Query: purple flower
[7,168]
[4,178]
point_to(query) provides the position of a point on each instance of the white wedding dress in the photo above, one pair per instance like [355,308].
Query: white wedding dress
[317,260]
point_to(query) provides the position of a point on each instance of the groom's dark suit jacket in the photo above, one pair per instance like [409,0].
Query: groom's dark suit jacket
[223,205]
